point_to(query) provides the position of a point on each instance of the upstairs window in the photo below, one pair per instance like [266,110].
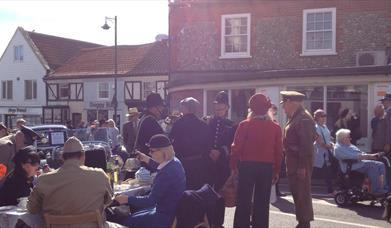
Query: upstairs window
[6,90]
[235,36]
[30,89]
[319,31]
[18,53]
[103,90]
[63,91]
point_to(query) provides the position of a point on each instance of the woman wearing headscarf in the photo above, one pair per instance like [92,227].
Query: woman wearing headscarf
[256,155]
[20,182]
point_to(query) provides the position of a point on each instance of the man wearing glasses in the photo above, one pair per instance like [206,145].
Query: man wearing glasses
[365,164]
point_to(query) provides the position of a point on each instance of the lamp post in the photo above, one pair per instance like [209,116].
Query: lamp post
[106,27]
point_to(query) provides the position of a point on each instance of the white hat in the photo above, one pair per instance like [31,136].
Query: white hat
[72,145]
[132,111]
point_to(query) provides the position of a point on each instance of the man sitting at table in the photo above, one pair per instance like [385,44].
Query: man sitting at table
[73,188]
[168,187]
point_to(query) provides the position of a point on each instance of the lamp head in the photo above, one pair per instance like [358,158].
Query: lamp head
[105,26]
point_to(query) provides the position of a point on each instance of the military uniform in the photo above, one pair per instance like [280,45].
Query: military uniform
[222,132]
[299,136]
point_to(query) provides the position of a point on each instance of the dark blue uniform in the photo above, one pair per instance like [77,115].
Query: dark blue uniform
[222,133]
[189,137]
[148,127]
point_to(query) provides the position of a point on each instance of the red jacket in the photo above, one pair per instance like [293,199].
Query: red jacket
[257,140]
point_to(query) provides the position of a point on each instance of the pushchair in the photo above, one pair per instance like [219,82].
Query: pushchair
[354,187]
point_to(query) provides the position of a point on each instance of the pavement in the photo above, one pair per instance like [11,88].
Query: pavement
[327,213]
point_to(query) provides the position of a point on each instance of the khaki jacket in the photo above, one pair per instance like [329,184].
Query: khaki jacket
[7,152]
[299,137]
[71,189]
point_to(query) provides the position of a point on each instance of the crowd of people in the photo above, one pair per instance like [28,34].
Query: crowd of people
[189,152]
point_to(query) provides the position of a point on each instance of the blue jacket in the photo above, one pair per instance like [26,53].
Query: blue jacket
[167,189]
[343,152]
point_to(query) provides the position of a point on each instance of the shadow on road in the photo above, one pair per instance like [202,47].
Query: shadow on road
[284,205]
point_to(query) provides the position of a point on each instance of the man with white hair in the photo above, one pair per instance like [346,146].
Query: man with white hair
[73,188]
[365,164]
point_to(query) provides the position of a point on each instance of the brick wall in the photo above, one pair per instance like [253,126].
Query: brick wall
[276,34]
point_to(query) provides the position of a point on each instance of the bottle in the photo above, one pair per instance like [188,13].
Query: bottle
[116,172]
[110,171]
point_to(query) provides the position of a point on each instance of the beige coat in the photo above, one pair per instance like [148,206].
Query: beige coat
[71,189]
[299,137]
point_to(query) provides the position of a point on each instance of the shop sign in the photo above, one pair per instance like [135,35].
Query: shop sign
[100,104]
[17,110]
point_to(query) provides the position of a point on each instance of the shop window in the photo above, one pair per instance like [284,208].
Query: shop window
[319,31]
[103,90]
[239,103]
[6,88]
[235,36]
[354,98]
[314,98]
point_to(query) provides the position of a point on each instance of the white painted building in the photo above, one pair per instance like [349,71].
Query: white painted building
[28,57]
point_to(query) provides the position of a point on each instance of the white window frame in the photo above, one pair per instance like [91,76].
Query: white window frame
[108,91]
[6,90]
[311,52]
[62,86]
[224,54]
[18,53]
[33,90]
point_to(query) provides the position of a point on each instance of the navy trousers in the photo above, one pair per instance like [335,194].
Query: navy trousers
[255,178]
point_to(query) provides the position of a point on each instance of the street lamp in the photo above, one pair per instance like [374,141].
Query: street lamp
[106,27]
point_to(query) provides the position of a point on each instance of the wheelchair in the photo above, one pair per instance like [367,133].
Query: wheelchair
[354,187]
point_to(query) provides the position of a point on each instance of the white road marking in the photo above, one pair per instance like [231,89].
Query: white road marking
[328,220]
[314,201]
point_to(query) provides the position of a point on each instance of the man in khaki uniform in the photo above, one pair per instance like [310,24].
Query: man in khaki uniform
[73,188]
[299,136]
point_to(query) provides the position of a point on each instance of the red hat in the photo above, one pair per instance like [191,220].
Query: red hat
[260,104]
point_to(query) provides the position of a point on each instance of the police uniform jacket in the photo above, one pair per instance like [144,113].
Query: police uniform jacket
[70,190]
[222,133]
[387,120]
[148,127]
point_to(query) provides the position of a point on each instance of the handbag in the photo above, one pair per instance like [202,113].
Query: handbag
[229,190]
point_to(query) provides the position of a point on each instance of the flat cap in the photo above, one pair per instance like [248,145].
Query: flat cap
[291,96]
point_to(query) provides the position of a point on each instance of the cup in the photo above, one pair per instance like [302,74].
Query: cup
[132,164]
[22,202]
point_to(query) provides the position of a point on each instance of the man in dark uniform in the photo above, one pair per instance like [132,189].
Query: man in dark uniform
[148,125]
[190,141]
[299,136]
[222,132]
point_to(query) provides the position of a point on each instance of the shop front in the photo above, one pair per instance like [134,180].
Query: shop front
[9,115]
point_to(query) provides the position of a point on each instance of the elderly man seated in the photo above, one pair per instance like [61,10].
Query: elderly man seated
[375,170]
[158,207]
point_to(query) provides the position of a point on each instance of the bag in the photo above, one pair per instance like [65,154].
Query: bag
[229,191]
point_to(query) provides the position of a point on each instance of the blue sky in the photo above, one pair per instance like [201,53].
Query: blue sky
[139,21]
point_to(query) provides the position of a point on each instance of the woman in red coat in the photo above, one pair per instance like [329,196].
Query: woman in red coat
[256,155]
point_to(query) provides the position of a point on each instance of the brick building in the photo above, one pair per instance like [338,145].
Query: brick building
[337,52]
